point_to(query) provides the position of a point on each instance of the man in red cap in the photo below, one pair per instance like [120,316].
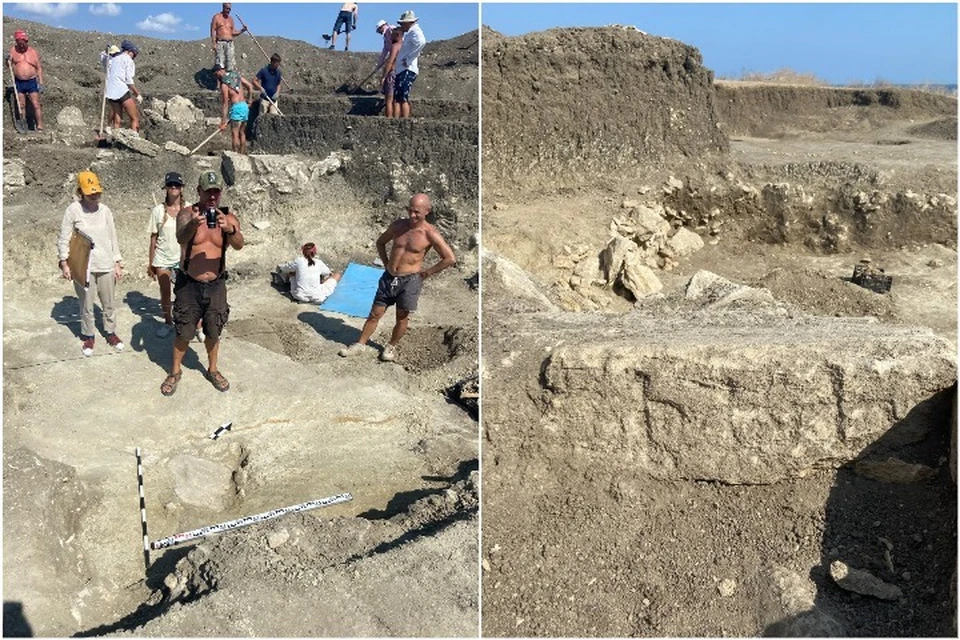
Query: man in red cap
[28,75]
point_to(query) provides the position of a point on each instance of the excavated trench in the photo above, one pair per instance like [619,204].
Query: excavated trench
[306,424]
[669,452]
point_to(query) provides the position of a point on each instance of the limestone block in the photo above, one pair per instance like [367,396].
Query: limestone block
[714,291]
[501,274]
[863,582]
[70,117]
[176,148]
[650,223]
[237,169]
[740,397]
[613,256]
[131,140]
[13,173]
[285,174]
[182,113]
[638,278]
[684,242]
[329,165]
[201,483]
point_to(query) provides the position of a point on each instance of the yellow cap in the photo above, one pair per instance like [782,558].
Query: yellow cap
[89,183]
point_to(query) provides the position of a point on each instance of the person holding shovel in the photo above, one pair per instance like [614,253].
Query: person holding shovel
[270,78]
[222,33]
[387,82]
[121,93]
[407,62]
[232,91]
[28,75]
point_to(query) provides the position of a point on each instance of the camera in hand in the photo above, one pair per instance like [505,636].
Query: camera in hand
[211,218]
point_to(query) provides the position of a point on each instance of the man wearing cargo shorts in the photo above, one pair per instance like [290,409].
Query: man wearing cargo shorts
[222,33]
[404,274]
[204,232]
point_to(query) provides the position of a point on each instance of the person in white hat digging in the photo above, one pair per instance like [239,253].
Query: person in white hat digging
[407,67]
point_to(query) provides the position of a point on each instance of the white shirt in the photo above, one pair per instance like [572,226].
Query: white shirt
[413,43]
[168,249]
[307,286]
[120,72]
[98,225]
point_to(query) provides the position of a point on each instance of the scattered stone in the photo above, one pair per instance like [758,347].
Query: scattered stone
[629,204]
[684,242]
[727,588]
[182,113]
[672,184]
[935,263]
[714,291]
[893,470]
[863,582]
[613,257]
[176,148]
[486,564]
[638,278]
[261,225]
[131,140]
[13,173]
[210,122]
[499,206]
[501,272]
[70,117]
[277,538]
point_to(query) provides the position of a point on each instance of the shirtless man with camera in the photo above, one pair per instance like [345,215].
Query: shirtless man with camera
[204,232]
[403,277]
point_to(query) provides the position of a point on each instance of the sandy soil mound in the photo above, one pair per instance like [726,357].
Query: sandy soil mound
[562,105]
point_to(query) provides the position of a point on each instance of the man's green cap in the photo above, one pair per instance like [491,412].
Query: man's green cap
[210,180]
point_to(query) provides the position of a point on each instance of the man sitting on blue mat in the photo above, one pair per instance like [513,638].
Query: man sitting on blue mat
[404,274]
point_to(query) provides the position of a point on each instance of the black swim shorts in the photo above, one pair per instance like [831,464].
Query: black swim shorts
[404,291]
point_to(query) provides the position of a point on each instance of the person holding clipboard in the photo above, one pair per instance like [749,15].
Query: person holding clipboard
[90,256]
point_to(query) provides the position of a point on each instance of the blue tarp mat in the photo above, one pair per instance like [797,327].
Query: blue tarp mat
[354,294]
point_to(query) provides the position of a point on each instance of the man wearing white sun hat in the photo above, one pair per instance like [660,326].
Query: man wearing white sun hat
[407,67]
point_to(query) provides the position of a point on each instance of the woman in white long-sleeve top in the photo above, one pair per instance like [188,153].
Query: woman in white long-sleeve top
[95,220]
[310,279]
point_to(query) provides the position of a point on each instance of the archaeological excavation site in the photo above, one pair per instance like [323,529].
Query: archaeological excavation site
[400,557]
[719,348]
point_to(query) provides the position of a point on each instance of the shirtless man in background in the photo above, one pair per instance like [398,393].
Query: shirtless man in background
[222,33]
[204,231]
[403,277]
[28,74]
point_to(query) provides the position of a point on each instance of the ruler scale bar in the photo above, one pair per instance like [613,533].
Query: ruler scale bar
[246,521]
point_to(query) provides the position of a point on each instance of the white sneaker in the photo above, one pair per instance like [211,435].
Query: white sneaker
[115,342]
[389,353]
[353,350]
[86,347]
[164,330]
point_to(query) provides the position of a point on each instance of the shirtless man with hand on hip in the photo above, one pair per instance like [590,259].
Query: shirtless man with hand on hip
[403,277]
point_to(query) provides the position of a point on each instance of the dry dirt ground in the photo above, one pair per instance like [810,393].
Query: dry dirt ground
[574,548]
[401,557]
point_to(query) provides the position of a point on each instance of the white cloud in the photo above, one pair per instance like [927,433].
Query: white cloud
[190,27]
[161,23]
[48,9]
[105,9]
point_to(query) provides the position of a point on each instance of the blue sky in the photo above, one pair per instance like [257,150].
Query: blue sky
[297,21]
[908,43]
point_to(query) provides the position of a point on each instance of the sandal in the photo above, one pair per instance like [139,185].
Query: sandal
[219,382]
[169,385]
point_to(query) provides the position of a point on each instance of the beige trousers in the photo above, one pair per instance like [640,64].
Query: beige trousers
[104,285]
